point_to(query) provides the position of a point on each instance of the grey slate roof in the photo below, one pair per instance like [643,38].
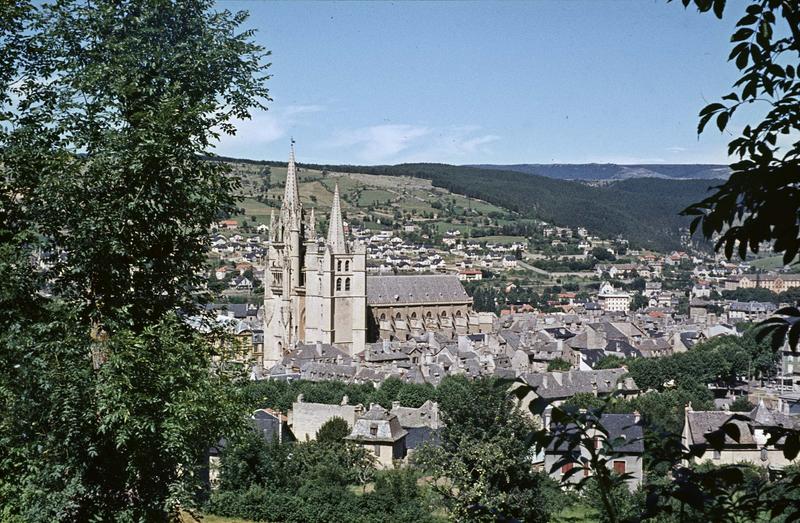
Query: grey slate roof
[552,385]
[388,290]
[702,422]
[625,434]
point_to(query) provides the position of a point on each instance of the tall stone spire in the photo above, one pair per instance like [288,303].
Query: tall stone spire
[311,227]
[336,228]
[273,232]
[291,195]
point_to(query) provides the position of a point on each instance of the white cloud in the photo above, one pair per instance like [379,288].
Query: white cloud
[398,143]
[303,109]
[378,143]
[264,128]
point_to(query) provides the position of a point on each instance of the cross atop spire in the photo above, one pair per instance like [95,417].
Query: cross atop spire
[336,237]
[291,195]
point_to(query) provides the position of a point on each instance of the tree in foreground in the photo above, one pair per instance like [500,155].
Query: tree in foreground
[483,468]
[110,399]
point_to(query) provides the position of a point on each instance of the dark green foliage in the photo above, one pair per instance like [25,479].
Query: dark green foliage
[333,431]
[107,153]
[610,362]
[638,302]
[760,202]
[109,398]
[742,404]
[583,400]
[313,481]
[757,294]
[628,505]
[558,364]
[565,265]
[481,468]
[602,254]
[721,359]
[281,394]
[107,444]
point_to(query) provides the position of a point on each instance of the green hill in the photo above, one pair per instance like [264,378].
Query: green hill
[643,210]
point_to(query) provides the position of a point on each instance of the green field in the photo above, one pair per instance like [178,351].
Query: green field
[771,263]
[577,514]
[502,239]
[373,197]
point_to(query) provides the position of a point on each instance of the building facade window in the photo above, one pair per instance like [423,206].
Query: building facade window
[339,266]
[347,266]
[619,467]
[338,284]
[347,284]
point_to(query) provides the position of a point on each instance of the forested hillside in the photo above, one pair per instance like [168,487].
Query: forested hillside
[645,211]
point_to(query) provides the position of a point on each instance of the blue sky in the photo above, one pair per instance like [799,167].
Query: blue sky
[501,82]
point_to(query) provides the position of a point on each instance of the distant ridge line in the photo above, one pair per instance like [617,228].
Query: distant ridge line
[613,171]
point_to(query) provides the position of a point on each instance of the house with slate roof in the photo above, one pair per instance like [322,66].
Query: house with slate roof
[624,450]
[557,387]
[380,432]
[752,444]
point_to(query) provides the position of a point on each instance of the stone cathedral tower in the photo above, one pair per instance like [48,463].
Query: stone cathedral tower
[315,289]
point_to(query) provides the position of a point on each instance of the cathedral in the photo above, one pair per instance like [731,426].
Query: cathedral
[314,288]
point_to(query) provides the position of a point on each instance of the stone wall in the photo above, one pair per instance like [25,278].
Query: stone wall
[305,419]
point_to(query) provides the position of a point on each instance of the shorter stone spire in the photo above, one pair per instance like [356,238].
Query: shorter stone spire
[336,237]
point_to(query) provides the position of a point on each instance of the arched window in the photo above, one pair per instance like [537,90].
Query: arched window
[444,314]
[347,284]
[338,284]
[413,315]
[398,316]
[339,266]
[429,315]
[458,314]
[347,266]
[383,316]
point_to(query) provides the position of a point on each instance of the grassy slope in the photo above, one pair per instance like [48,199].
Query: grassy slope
[363,195]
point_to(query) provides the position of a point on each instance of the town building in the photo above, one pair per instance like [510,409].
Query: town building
[380,432]
[753,443]
[623,449]
[612,300]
